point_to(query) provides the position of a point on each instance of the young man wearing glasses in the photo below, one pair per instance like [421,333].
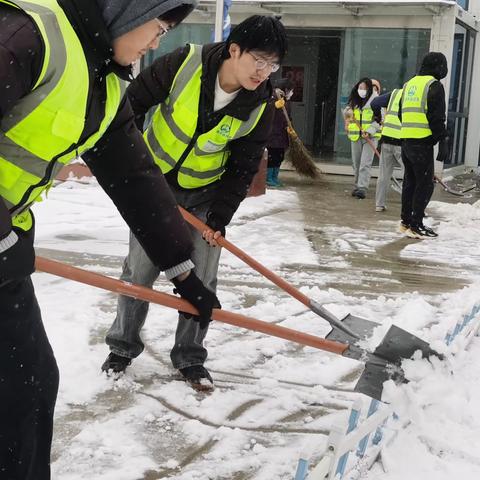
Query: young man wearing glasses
[208,134]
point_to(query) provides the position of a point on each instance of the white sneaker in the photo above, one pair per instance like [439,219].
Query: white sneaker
[380,209]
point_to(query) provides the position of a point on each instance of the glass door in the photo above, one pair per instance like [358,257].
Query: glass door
[460,83]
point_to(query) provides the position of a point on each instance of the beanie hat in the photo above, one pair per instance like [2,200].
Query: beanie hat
[122,16]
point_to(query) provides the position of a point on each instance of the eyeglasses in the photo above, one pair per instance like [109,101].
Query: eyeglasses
[164,29]
[261,64]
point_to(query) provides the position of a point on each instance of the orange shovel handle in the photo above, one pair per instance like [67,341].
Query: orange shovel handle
[223,242]
[153,296]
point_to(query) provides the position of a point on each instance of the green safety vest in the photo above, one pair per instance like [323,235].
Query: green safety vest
[364,118]
[40,134]
[391,124]
[414,107]
[172,135]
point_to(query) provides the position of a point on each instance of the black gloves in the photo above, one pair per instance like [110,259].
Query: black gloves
[215,223]
[18,261]
[443,150]
[193,290]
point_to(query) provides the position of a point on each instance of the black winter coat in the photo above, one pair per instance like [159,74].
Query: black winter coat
[279,136]
[120,160]
[152,87]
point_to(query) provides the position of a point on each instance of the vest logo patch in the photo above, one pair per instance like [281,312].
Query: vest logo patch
[224,130]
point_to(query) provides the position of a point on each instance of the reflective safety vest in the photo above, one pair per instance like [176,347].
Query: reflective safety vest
[364,118]
[414,107]
[41,133]
[174,140]
[391,124]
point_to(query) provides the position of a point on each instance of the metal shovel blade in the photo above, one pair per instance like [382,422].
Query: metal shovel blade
[384,363]
[362,327]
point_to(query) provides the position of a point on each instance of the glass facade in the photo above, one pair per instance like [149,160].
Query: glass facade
[392,56]
[184,33]
[330,63]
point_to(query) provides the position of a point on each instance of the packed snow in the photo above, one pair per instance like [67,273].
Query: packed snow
[273,399]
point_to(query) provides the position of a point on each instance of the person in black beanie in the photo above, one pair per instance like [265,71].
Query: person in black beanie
[422,112]
[63,64]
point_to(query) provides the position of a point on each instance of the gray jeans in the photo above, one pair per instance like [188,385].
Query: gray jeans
[124,334]
[362,159]
[390,157]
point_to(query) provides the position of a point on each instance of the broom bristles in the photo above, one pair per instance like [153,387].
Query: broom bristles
[301,159]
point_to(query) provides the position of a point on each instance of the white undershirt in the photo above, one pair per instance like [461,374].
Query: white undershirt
[222,98]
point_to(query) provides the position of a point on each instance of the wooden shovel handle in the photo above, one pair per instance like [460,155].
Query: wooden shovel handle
[153,296]
[223,242]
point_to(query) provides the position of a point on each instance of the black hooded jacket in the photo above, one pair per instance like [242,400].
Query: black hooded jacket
[433,64]
[120,160]
[152,87]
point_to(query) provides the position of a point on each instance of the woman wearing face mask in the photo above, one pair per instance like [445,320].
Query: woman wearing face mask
[360,125]
[278,141]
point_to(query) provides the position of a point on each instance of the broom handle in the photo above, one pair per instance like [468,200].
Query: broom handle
[374,148]
[273,277]
[285,113]
[153,296]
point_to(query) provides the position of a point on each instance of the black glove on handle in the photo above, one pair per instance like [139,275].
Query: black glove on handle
[194,291]
[443,150]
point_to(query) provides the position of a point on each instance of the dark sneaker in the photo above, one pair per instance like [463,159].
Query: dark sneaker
[115,363]
[354,192]
[428,232]
[420,231]
[360,194]
[198,378]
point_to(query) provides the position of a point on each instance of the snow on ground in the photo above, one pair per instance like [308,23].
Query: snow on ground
[272,398]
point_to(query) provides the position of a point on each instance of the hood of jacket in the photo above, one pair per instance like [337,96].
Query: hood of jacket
[434,64]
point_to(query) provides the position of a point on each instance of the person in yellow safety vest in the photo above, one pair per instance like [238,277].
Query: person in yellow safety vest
[391,152]
[63,64]
[214,111]
[361,129]
[422,112]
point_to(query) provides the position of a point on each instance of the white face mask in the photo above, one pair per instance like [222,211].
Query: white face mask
[362,93]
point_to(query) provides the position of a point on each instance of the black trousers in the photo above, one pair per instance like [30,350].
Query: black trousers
[275,157]
[417,181]
[28,385]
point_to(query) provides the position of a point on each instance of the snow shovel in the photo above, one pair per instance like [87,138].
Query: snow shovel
[381,365]
[448,189]
[398,344]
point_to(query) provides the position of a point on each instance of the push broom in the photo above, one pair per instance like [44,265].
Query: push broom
[301,159]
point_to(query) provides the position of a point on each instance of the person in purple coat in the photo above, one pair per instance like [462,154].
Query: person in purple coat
[278,142]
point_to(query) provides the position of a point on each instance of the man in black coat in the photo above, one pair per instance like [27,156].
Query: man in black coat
[107,37]
[417,153]
[227,86]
